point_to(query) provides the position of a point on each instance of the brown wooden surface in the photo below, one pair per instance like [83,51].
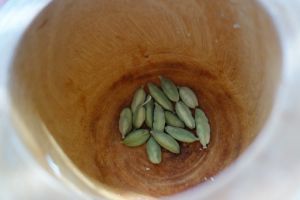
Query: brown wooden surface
[80,62]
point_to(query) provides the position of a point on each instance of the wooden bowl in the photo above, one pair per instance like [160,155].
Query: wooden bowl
[80,62]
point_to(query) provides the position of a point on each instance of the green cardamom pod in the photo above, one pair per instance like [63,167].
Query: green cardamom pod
[169,89]
[181,134]
[149,113]
[158,118]
[188,97]
[125,121]
[202,127]
[139,117]
[160,97]
[185,114]
[136,138]
[173,120]
[153,151]
[138,99]
[166,141]
[201,115]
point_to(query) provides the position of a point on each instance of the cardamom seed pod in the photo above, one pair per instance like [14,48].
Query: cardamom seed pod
[188,97]
[160,97]
[166,141]
[173,120]
[169,89]
[185,114]
[153,151]
[149,113]
[181,134]
[158,118]
[125,121]
[202,127]
[136,138]
[138,99]
[139,117]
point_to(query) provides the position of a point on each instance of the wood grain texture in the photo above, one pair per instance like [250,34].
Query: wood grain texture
[80,62]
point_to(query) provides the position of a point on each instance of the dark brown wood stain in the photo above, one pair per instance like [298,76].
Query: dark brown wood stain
[171,174]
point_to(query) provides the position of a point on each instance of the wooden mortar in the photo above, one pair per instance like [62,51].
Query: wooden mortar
[80,62]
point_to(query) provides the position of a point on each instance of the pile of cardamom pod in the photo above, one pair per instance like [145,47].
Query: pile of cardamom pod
[157,111]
